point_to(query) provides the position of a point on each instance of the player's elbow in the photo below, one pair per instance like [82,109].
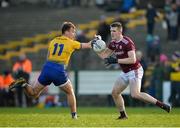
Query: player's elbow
[133,60]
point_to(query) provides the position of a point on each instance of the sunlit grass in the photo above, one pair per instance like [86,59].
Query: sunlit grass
[88,117]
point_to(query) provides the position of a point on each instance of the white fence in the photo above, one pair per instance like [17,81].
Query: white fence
[97,83]
[89,83]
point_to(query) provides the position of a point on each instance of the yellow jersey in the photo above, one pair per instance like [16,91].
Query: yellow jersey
[61,48]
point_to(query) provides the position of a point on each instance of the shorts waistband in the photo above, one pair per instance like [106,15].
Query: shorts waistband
[56,63]
[135,68]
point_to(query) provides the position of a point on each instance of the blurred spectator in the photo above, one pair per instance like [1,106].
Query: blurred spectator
[100,3]
[76,2]
[58,3]
[76,59]
[157,79]
[55,3]
[149,41]
[151,14]
[167,9]
[22,68]
[163,58]
[175,80]
[172,17]
[5,3]
[9,96]
[128,6]
[103,28]
[50,101]
[153,47]
[65,3]
[156,48]
[86,3]
[178,10]
[1,81]
[6,97]
[81,36]
[167,70]
[1,90]
[8,79]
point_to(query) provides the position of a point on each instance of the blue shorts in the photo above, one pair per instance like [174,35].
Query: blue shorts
[53,73]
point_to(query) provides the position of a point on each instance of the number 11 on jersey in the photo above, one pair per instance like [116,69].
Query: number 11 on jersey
[61,47]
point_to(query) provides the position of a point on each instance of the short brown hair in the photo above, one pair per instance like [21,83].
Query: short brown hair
[117,24]
[67,26]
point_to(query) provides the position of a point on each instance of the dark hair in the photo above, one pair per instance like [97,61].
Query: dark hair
[117,24]
[66,26]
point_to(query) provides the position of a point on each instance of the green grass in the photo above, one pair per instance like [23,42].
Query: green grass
[88,117]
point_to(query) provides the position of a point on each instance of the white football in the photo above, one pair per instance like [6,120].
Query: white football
[99,46]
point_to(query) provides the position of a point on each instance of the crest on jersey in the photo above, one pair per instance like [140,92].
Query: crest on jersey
[120,47]
[117,46]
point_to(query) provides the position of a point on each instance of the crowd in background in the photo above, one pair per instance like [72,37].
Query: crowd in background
[21,68]
[166,68]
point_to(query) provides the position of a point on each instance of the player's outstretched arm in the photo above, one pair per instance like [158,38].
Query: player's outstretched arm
[90,43]
[105,53]
[101,50]
[86,45]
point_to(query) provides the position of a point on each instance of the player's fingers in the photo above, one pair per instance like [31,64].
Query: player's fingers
[106,62]
[98,37]
[107,65]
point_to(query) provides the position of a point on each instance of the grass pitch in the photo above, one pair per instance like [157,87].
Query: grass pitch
[88,117]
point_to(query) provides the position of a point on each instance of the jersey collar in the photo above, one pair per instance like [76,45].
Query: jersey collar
[120,39]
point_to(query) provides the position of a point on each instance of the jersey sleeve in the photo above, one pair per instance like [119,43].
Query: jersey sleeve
[76,45]
[130,46]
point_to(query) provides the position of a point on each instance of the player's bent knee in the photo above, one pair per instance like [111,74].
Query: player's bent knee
[135,95]
[68,89]
[114,94]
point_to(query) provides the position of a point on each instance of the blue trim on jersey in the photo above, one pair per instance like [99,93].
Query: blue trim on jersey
[53,73]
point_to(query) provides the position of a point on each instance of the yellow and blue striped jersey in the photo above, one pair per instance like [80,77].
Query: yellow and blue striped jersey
[61,48]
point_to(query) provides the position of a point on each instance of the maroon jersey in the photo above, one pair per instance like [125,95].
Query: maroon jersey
[121,50]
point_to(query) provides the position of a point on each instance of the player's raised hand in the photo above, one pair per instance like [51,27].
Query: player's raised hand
[93,42]
[98,37]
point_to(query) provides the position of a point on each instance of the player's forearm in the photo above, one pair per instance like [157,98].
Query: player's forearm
[102,55]
[86,45]
[105,53]
[127,61]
